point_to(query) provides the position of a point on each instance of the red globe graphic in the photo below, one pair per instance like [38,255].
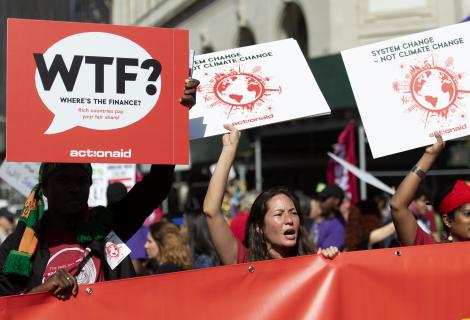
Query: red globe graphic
[239,89]
[434,89]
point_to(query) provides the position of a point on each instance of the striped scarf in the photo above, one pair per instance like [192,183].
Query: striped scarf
[18,262]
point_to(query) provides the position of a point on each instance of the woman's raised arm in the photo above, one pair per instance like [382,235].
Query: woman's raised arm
[403,219]
[224,241]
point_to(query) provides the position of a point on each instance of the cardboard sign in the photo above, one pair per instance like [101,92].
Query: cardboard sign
[22,176]
[116,250]
[106,174]
[253,86]
[81,92]
[408,88]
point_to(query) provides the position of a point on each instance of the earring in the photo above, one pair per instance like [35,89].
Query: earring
[449,238]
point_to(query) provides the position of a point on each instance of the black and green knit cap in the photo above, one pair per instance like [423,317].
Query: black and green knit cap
[47,169]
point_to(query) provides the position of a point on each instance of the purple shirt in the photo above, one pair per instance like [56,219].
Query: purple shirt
[331,232]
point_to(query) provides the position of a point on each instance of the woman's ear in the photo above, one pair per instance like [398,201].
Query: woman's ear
[258,229]
[447,221]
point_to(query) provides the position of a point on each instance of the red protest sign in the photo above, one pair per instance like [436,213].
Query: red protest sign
[82,92]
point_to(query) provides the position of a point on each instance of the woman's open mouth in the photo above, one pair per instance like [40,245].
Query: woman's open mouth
[290,234]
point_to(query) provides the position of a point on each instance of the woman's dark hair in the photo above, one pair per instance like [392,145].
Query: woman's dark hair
[365,217]
[423,191]
[198,235]
[255,240]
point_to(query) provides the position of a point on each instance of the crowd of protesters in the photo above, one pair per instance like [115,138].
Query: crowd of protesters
[56,249]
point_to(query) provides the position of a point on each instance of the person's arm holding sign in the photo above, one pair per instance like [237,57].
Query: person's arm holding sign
[403,219]
[61,284]
[224,241]
[146,195]
[24,255]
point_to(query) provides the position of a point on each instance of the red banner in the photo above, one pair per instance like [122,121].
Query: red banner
[336,173]
[426,282]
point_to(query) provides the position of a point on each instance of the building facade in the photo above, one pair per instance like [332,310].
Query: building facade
[322,27]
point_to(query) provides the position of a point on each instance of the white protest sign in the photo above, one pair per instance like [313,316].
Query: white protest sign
[104,175]
[22,176]
[361,174]
[95,107]
[97,196]
[409,87]
[253,86]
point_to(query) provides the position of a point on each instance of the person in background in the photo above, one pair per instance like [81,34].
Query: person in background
[316,218]
[273,226]
[331,225]
[166,249]
[365,229]
[238,223]
[423,212]
[383,203]
[345,207]
[200,244]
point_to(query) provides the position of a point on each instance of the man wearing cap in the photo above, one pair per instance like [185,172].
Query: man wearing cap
[57,249]
[329,229]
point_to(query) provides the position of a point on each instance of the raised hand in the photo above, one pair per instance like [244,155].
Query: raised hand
[231,139]
[437,147]
[189,95]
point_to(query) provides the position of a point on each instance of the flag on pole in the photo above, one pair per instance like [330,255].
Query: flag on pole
[363,175]
[335,172]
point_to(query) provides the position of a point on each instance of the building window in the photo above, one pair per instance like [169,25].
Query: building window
[294,25]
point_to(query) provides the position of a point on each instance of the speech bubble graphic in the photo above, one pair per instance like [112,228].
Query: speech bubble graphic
[96,80]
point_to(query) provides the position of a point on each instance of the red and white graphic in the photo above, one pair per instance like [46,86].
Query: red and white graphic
[253,86]
[408,88]
[69,257]
[239,91]
[83,92]
[432,90]
[115,250]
